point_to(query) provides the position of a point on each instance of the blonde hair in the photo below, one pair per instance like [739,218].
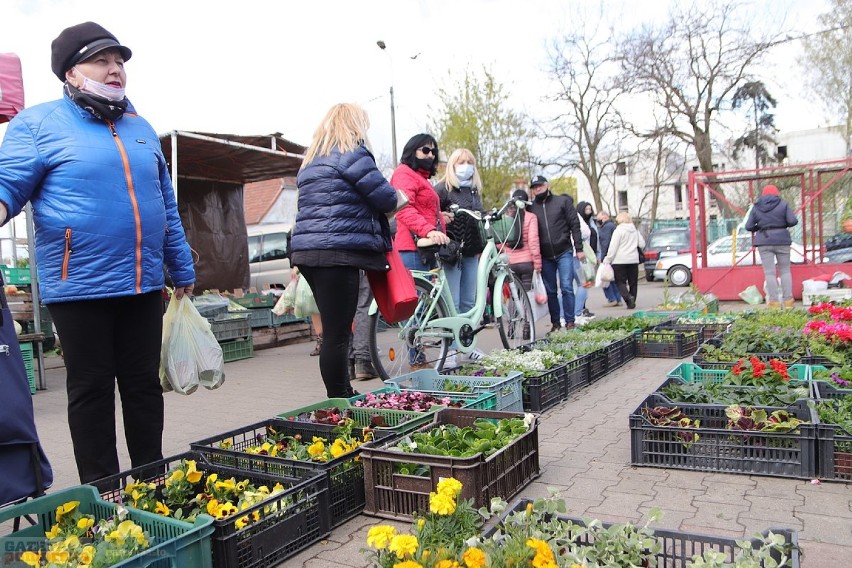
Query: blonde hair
[344,127]
[450,173]
[623,217]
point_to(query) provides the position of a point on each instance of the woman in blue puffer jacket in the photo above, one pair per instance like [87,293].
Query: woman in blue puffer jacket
[106,222]
[769,220]
[341,228]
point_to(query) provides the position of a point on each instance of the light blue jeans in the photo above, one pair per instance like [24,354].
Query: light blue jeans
[461,279]
[611,292]
[562,267]
[769,255]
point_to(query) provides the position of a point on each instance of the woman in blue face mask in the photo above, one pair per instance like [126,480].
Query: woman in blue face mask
[461,185]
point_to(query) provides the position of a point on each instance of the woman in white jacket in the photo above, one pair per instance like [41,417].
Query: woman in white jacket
[623,255]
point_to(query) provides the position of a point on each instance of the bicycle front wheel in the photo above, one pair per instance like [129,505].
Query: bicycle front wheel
[397,349]
[517,324]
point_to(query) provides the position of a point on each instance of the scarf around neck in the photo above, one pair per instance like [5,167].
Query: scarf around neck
[100,107]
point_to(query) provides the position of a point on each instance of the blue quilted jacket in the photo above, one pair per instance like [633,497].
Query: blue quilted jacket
[105,214]
[343,199]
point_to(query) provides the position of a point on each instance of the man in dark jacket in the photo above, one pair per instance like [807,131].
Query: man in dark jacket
[769,221]
[605,230]
[559,235]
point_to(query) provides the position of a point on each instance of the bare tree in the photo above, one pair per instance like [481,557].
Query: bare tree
[761,138]
[589,125]
[827,61]
[691,65]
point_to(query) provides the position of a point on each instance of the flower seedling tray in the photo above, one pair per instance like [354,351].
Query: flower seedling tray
[692,373]
[677,549]
[620,352]
[288,522]
[699,360]
[834,444]
[671,341]
[546,389]
[479,401]
[231,326]
[395,421]
[182,543]
[343,477]
[400,496]
[783,454]
[509,389]
[709,325]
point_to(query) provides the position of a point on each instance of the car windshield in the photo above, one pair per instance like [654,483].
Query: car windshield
[667,239]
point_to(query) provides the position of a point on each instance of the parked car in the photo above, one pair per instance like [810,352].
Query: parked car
[269,255]
[678,269]
[662,243]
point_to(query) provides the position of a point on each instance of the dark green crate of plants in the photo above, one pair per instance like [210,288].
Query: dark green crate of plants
[343,476]
[710,325]
[677,548]
[834,443]
[670,342]
[620,352]
[237,349]
[715,393]
[395,421]
[598,362]
[700,360]
[27,355]
[508,389]
[230,326]
[718,449]
[479,401]
[176,543]
[692,373]
[400,496]
[253,300]
[287,522]
[16,276]
[546,389]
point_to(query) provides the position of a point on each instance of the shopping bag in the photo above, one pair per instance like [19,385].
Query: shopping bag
[752,295]
[190,354]
[24,469]
[287,302]
[394,290]
[305,304]
[538,289]
[604,275]
[539,310]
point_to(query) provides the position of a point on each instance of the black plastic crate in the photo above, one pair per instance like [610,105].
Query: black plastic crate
[783,454]
[620,351]
[545,390]
[598,362]
[707,329]
[819,360]
[834,444]
[671,341]
[678,548]
[343,477]
[577,375]
[287,522]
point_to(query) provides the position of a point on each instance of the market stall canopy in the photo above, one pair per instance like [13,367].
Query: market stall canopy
[230,157]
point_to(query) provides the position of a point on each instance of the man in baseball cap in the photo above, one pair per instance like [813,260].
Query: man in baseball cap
[80,42]
[537,180]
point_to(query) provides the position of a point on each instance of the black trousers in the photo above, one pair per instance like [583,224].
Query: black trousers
[335,290]
[627,279]
[104,341]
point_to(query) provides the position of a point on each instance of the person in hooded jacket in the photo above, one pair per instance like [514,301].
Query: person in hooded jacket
[623,255]
[106,223]
[769,221]
[341,228]
[422,218]
[559,236]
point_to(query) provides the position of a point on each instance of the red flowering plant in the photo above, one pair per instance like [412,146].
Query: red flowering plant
[830,335]
[755,373]
[831,311]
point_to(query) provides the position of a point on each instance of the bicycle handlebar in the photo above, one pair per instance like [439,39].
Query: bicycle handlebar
[490,215]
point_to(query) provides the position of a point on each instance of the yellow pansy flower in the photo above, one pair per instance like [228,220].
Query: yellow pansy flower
[85,523]
[408,564]
[317,448]
[450,486]
[176,476]
[403,545]
[162,509]
[212,507]
[211,479]
[87,555]
[473,558]
[71,541]
[57,556]
[379,536]
[31,558]
[194,476]
[53,532]
[65,508]
[241,522]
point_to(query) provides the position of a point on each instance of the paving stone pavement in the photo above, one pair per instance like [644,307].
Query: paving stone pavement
[584,452]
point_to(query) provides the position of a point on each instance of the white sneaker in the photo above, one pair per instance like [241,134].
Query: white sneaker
[581,320]
[451,361]
[473,356]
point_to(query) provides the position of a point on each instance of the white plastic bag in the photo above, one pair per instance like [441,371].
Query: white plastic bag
[190,355]
[305,303]
[752,295]
[538,289]
[604,275]
[287,301]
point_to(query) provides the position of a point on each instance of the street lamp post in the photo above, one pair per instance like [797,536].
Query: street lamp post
[383,46]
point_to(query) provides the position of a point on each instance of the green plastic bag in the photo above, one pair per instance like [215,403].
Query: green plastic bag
[752,295]
[305,303]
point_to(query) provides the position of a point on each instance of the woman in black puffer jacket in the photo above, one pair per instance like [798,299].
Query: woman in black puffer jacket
[341,228]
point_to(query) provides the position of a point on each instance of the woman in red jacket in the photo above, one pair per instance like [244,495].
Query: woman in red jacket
[423,217]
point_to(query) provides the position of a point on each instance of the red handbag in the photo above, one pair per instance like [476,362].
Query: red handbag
[394,290]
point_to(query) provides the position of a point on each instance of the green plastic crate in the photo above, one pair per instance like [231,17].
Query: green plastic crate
[509,389]
[668,314]
[27,354]
[479,401]
[399,421]
[237,349]
[173,542]
[692,373]
[16,276]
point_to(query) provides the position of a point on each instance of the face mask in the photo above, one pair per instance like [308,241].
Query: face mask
[423,164]
[464,172]
[541,196]
[100,89]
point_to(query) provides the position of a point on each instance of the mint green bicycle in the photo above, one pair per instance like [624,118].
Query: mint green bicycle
[424,339]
